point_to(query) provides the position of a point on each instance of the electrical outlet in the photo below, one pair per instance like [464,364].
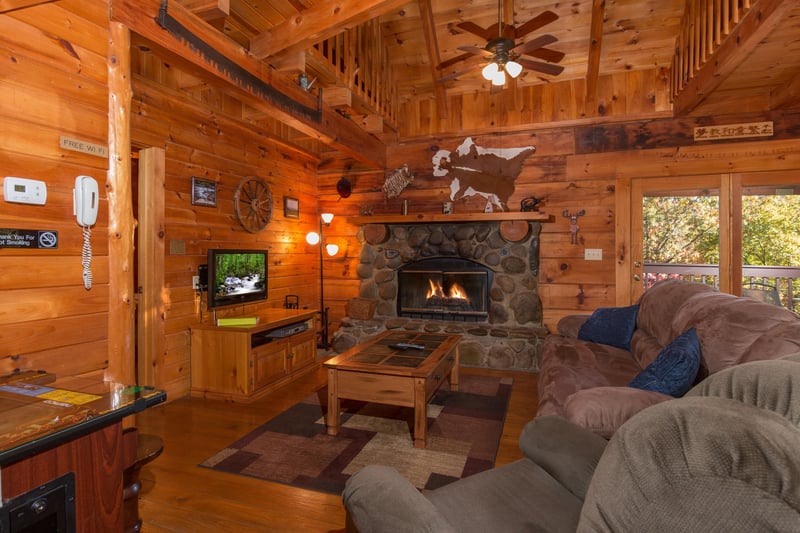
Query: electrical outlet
[196,282]
[593,254]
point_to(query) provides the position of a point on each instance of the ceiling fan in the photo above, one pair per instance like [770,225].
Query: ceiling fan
[504,54]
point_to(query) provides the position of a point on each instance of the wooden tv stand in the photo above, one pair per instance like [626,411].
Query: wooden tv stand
[242,363]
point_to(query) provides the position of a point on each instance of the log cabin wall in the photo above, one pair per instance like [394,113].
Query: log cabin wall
[575,167]
[203,139]
[54,84]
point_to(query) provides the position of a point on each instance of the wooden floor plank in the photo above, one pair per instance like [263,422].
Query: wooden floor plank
[179,496]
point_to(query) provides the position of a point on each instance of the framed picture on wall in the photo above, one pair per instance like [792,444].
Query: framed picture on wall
[291,207]
[204,192]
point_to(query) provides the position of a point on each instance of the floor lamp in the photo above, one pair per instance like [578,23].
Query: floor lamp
[315,238]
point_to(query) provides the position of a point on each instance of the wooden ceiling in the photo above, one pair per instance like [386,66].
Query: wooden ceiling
[755,71]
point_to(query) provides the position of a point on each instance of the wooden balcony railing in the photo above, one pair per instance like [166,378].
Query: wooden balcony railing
[359,61]
[704,26]
[773,284]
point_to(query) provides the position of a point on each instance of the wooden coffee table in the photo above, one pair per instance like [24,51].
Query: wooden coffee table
[374,371]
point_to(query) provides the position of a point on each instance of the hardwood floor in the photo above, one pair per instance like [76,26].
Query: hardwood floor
[177,495]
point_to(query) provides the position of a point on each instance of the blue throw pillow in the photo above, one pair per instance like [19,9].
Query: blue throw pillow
[610,325]
[675,368]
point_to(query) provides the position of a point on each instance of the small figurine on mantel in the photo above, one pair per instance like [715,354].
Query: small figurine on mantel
[530,204]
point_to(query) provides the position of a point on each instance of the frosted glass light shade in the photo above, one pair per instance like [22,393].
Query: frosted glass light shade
[513,68]
[499,78]
[312,237]
[489,71]
[327,217]
[332,249]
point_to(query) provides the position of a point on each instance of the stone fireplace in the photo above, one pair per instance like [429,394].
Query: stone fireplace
[408,270]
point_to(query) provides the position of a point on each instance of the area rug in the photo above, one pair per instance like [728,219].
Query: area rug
[464,430]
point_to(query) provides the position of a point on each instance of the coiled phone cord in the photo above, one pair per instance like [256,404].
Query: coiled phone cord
[86,257]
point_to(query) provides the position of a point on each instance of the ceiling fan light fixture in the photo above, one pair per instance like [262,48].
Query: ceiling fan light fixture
[499,79]
[490,71]
[513,68]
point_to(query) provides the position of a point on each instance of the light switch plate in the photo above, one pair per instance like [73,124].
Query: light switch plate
[593,254]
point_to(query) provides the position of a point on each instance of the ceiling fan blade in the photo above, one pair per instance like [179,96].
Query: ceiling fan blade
[542,19]
[533,44]
[476,30]
[459,73]
[538,66]
[475,51]
[452,61]
[553,56]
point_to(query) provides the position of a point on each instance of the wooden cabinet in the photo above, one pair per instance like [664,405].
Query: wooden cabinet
[241,363]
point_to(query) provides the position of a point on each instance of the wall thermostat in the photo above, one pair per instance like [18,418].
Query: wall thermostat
[24,191]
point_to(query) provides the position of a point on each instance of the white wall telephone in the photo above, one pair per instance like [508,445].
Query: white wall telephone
[85,203]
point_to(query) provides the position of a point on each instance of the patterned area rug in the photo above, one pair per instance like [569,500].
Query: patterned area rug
[464,430]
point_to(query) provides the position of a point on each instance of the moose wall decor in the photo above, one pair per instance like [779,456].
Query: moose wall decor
[573,224]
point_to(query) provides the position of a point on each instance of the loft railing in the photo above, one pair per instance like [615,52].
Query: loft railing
[359,61]
[704,26]
[773,284]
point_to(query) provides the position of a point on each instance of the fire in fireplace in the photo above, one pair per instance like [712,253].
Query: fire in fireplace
[445,289]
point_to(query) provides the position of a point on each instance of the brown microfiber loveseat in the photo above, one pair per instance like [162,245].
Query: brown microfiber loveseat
[587,382]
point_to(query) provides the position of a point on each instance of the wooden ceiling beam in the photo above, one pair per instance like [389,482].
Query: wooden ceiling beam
[432,45]
[332,129]
[208,10]
[763,17]
[595,51]
[317,23]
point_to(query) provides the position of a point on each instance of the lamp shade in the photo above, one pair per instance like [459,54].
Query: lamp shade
[332,249]
[327,217]
[499,78]
[513,68]
[489,71]
[312,237]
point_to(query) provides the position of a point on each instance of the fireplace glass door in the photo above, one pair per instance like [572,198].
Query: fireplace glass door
[445,289]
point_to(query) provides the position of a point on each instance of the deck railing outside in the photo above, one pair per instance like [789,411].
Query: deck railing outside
[778,285]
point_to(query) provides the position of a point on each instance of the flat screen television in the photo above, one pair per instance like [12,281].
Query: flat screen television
[236,277]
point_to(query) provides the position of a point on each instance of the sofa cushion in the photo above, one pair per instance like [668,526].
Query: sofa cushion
[569,365]
[603,410]
[610,325]
[697,464]
[674,369]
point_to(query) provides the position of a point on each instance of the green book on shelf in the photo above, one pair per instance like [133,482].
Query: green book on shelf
[238,321]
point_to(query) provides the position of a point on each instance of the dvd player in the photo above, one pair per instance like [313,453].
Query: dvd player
[287,331]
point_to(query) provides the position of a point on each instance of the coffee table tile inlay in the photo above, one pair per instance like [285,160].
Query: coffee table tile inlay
[378,371]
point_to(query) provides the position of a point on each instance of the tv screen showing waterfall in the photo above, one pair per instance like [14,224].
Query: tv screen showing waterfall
[236,277]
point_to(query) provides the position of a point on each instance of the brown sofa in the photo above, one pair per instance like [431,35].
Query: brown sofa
[587,382]
[722,458]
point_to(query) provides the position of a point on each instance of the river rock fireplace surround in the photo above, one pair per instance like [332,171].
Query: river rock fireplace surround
[409,269]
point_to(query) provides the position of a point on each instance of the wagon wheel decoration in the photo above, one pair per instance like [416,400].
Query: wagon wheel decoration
[252,203]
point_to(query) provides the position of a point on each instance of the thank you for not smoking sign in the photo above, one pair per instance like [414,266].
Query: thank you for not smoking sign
[28,238]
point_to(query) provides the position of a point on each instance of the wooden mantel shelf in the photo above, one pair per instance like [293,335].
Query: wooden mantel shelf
[426,218]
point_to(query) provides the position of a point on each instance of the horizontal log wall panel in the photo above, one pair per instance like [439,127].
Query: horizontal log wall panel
[30,46]
[62,361]
[643,93]
[201,141]
[53,84]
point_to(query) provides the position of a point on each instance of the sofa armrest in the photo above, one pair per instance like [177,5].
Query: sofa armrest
[378,498]
[603,410]
[565,451]
[570,325]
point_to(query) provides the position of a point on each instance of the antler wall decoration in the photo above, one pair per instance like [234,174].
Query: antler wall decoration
[573,224]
